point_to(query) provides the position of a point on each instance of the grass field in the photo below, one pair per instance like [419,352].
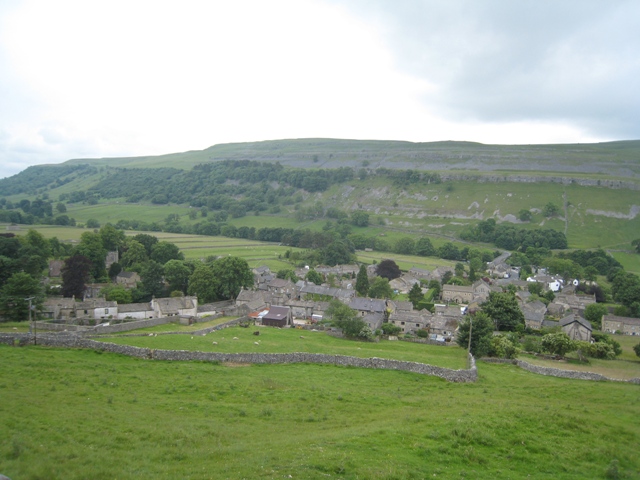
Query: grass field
[241,340]
[79,414]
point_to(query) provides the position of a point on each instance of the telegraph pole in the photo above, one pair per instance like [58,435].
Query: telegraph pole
[32,324]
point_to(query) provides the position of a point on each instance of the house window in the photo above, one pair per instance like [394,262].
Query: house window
[417,324]
[401,323]
[106,311]
[86,311]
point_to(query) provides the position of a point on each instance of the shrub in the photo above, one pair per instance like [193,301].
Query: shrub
[503,347]
[390,329]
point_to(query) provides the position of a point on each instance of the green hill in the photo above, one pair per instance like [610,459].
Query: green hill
[438,188]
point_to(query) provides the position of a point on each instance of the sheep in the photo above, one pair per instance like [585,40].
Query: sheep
[214,343]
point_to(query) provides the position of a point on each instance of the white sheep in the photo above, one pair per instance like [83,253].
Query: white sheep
[214,343]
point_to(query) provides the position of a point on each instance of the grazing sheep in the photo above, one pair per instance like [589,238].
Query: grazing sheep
[235,338]
[301,336]
[214,343]
[256,343]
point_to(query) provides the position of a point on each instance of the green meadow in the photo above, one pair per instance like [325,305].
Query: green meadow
[271,340]
[80,414]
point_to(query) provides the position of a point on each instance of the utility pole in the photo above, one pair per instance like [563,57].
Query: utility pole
[32,324]
[470,329]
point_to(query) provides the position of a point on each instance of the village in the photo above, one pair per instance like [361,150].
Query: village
[277,302]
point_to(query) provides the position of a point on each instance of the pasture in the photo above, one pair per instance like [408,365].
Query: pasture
[273,340]
[79,414]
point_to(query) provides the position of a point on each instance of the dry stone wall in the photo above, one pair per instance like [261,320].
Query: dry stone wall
[73,341]
[557,372]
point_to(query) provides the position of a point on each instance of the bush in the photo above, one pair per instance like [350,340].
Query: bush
[597,350]
[532,344]
[390,329]
[503,347]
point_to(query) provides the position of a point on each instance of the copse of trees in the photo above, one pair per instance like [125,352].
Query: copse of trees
[510,237]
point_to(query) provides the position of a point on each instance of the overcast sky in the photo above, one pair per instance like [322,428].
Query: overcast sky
[94,78]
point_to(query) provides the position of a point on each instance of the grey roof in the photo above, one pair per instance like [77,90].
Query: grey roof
[173,304]
[329,291]
[127,274]
[134,307]
[575,318]
[368,304]
[277,313]
[373,320]
[625,320]
[95,303]
[550,323]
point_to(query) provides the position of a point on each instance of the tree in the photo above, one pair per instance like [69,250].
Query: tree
[134,253]
[388,269]
[636,348]
[14,293]
[152,279]
[177,273]
[405,246]
[114,269]
[524,215]
[380,288]
[425,248]
[76,273]
[314,277]
[204,284]
[390,329]
[347,320]
[360,218]
[503,309]
[91,246]
[594,313]
[416,295]
[481,328]
[34,253]
[233,274]
[550,210]
[61,207]
[558,343]
[112,238]
[636,243]
[459,269]
[337,252]
[93,223]
[148,241]
[362,282]
[535,288]
[287,274]
[163,251]
[116,293]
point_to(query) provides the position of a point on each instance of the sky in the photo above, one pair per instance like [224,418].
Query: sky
[97,78]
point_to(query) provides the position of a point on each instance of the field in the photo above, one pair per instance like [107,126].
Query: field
[254,252]
[79,414]
[240,340]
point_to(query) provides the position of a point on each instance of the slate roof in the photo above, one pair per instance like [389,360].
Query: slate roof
[134,307]
[367,304]
[576,318]
[95,303]
[277,313]
[174,304]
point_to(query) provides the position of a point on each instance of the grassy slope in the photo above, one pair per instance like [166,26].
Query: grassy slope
[239,340]
[612,159]
[102,416]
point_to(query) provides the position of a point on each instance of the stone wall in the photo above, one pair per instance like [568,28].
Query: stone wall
[556,372]
[73,341]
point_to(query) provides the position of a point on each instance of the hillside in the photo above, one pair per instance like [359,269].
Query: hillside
[616,159]
[439,189]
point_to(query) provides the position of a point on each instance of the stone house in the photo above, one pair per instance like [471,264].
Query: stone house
[419,272]
[58,308]
[444,325]
[175,306]
[403,283]
[365,306]
[577,302]
[137,311]
[55,268]
[128,279]
[96,308]
[411,321]
[576,327]
[624,325]
[457,293]
[112,257]
[373,320]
